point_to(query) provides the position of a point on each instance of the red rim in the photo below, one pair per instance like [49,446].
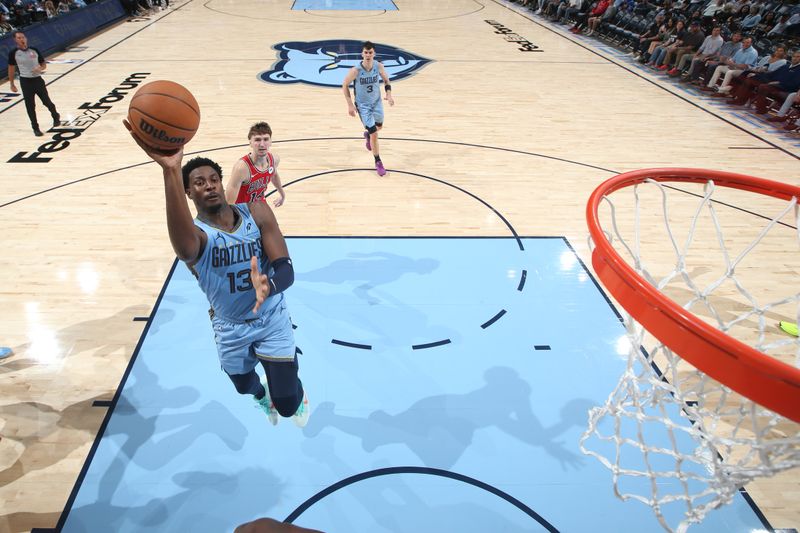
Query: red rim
[753,374]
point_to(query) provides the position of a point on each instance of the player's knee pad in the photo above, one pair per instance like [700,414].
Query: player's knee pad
[372,129]
[378,125]
[286,405]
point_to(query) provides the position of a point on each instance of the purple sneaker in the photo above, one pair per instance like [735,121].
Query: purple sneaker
[366,138]
[379,168]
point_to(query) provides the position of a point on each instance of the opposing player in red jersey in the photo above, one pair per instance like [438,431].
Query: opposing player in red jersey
[253,172]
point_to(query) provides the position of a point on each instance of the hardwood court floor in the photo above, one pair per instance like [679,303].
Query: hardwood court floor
[85,248]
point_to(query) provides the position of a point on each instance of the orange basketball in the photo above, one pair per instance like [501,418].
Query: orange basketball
[164,114]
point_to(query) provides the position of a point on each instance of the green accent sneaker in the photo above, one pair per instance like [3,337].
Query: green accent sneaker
[300,416]
[266,405]
[788,327]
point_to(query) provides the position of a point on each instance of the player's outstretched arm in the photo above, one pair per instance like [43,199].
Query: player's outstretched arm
[187,239]
[274,246]
[238,175]
[351,109]
[276,180]
[386,85]
[260,283]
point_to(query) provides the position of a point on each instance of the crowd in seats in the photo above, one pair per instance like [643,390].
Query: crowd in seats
[746,52]
[17,14]
[138,8]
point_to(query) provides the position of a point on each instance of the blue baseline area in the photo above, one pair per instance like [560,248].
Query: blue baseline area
[407,433]
[344,5]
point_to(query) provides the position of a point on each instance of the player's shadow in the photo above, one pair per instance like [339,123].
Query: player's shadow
[193,500]
[367,271]
[152,427]
[394,323]
[439,429]
[35,426]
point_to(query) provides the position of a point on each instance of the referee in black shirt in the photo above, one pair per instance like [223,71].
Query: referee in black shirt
[31,64]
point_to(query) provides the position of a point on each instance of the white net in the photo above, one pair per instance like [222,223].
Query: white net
[673,437]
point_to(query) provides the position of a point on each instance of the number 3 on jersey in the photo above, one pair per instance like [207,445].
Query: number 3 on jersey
[240,282]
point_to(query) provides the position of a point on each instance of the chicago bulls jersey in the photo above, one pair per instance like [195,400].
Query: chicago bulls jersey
[255,189]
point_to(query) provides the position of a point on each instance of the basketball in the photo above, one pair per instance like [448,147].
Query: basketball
[164,114]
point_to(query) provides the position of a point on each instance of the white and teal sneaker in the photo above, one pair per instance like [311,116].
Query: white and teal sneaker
[266,405]
[300,416]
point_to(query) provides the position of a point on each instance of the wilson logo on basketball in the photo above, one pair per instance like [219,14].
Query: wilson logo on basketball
[156,134]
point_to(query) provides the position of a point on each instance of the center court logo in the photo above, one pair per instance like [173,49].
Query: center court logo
[326,63]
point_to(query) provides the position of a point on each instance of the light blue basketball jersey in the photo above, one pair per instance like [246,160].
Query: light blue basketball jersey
[367,85]
[223,270]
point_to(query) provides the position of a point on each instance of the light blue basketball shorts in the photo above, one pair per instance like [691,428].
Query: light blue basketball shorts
[269,337]
[370,114]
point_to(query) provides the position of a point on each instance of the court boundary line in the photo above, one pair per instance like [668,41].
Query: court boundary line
[648,80]
[111,408]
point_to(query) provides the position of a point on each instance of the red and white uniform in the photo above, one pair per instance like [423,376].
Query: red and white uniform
[255,189]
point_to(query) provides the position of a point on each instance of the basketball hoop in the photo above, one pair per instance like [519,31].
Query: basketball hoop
[710,398]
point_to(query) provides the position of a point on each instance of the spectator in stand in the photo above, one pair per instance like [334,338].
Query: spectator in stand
[781,27]
[767,23]
[573,9]
[599,8]
[550,8]
[689,44]
[710,47]
[666,9]
[49,8]
[665,33]
[660,51]
[750,21]
[783,112]
[650,35]
[609,13]
[768,63]
[745,57]
[712,8]
[706,70]
[741,12]
[5,26]
[776,84]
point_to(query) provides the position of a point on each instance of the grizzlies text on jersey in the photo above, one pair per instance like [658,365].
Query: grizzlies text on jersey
[223,269]
[367,85]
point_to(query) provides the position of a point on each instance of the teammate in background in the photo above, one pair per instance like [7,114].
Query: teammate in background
[30,63]
[240,260]
[253,172]
[366,86]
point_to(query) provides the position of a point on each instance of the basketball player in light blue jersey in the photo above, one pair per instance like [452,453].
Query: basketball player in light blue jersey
[366,86]
[241,262]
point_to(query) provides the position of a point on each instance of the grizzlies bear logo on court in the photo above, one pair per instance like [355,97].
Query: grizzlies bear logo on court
[326,63]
